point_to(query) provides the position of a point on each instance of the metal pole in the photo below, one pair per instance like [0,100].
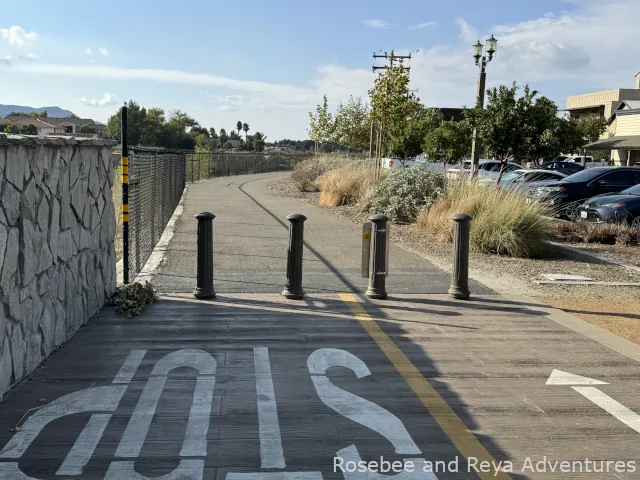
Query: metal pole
[293,286]
[475,154]
[204,288]
[460,272]
[377,273]
[124,165]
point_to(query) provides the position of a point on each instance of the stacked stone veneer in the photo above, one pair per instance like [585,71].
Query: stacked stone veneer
[57,258]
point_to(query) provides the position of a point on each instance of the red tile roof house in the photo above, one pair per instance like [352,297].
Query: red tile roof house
[55,126]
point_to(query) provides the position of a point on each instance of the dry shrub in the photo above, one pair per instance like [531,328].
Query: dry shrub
[503,222]
[345,186]
[308,171]
[606,233]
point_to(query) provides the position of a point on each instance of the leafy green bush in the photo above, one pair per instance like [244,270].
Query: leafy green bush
[503,221]
[404,193]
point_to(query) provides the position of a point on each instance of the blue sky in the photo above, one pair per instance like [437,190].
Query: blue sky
[269,63]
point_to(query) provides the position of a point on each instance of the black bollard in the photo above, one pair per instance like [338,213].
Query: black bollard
[460,272]
[293,285]
[204,288]
[377,266]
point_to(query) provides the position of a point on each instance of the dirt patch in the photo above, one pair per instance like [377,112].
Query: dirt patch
[616,309]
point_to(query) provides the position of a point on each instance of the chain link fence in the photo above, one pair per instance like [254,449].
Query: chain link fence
[156,183]
[202,166]
[157,179]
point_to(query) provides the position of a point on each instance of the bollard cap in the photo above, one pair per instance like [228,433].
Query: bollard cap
[462,217]
[379,218]
[205,216]
[296,217]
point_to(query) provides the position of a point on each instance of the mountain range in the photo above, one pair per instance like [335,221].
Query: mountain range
[55,112]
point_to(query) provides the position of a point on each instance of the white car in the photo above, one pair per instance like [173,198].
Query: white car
[393,163]
[487,169]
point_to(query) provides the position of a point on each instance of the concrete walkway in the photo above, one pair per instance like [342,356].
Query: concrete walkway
[251,238]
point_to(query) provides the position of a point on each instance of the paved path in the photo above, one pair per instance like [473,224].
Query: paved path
[283,388]
[251,238]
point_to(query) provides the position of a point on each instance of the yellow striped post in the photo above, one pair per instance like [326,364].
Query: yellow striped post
[124,163]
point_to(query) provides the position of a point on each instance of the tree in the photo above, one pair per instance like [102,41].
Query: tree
[181,120]
[155,132]
[228,145]
[42,114]
[245,128]
[198,130]
[406,138]
[223,137]
[591,127]
[321,125]
[523,128]
[212,132]
[12,128]
[401,121]
[239,127]
[135,123]
[28,130]
[89,128]
[448,143]
[352,124]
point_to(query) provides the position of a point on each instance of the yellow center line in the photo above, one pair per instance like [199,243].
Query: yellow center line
[464,440]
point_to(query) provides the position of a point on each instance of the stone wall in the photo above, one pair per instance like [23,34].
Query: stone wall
[57,258]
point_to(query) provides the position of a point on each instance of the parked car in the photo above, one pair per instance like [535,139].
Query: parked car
[586,161]
[562,167]
[566,196]
[393,163]
[620,207]
[487,169]
[524,178]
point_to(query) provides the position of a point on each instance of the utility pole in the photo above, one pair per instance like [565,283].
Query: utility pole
[377,132]
[392,58]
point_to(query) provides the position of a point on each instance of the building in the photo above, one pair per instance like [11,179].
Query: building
[621,106]
[624,138]
[604,103]
[59,126]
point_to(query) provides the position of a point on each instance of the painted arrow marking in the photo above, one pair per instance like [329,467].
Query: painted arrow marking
[582,386]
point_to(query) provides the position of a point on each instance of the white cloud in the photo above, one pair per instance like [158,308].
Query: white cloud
[378,24]
[17,36]
[88,51]
[103,51]
[107,100]
[422,25]
[468,34]
[6,60]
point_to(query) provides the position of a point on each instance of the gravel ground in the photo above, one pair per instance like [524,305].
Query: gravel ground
[614,308]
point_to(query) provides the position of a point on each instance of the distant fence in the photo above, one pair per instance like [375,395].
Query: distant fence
[202,166]
[157,178]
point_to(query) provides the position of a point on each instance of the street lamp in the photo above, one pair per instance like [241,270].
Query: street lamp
[483,55]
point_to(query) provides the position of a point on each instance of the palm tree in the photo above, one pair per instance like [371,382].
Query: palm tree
[245,128]
[239,127]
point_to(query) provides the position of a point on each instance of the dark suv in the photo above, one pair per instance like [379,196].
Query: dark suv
[562,167]
[565,196]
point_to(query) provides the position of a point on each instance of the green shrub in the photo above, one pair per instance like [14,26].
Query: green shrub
[404,193]
[503,221]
